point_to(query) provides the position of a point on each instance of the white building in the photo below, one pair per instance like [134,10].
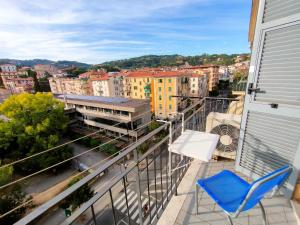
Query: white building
[7,68]
[109,85]
[198,85]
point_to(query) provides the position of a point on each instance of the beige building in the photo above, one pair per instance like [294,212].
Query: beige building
[69,86]
[198,85]
[19,85]
[211,70]
[116,116]
[41,69]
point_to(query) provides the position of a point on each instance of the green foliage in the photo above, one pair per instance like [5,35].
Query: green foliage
[109,149]
[5,174]
[240,75]
[36,124]
[214,93]
[153,125]
[75,71]
[143,147]
[172,60]
[108,68]
[80,196]
[9,200]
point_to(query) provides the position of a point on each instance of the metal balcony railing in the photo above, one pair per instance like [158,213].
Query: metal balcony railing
[140,187]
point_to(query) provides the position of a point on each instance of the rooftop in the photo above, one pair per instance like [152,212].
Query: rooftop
[121,102]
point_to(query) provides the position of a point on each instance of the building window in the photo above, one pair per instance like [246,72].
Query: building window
[170,81]
[135,87]
[140,82]
[170,106]
[170,89]
[134,80]
[147,79]
[170,98]
[159,97]
[160,106]
[135,94]
[159,88]
[193,85]
[160,80]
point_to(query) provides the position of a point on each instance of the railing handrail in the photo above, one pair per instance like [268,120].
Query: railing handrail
[54,201]
[105,188]
[57,199]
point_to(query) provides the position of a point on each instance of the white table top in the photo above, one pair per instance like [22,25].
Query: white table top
[195,144]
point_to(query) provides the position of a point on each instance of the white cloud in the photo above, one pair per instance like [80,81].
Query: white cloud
[87,30]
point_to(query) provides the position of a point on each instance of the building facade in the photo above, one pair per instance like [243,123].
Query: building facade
[69,86]
[8,68]
[167,85]
[198,85]
[42,69]
[116,116]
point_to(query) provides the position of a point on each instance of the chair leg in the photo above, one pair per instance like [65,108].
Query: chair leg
[263,211]
[196,198]
[229,219]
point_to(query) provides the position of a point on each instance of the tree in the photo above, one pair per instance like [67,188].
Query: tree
[5,174]
[10,197]
[109,149]
[36,122]
[80,196]
[153,125]
[36,85]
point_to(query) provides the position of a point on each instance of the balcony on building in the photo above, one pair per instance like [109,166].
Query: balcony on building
[170,199]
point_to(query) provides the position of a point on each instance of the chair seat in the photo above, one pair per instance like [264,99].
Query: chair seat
[226,188]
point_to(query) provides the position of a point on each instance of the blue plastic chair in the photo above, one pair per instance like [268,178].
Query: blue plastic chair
[235,195]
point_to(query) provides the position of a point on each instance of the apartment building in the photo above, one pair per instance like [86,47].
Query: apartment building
[42,69]
[138,85]
[116,116]
[211,70]
[19,85]
[8,68]
[75,86]
[110,85]
[198,85]
[166,85]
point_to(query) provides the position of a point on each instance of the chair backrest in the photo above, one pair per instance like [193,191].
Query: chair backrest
[260,187]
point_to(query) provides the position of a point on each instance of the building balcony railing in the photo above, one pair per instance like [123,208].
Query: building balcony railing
[139,187]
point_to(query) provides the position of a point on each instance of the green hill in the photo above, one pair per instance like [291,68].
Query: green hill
[174,60]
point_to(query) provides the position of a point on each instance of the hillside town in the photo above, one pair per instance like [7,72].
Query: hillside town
[157,85]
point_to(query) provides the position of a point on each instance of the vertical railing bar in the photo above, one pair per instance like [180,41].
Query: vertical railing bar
[155,184]
[161,183]
[148,186]
[93,213]
[167,178]
[126,199]
[113,207]
[138,186]
[176,174]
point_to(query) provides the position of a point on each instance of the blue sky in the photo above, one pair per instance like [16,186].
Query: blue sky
[96,31]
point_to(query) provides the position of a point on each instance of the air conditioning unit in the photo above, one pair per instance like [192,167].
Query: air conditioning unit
[227,126]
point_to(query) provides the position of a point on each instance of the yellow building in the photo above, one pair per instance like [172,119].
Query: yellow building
[166,85]
[138,85]
[159,87]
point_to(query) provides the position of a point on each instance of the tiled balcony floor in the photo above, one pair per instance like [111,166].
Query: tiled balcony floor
[279,210]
